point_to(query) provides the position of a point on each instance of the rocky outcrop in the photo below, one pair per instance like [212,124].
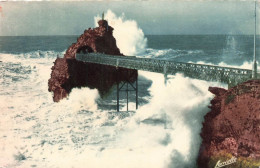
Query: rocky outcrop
[68,73]
[232,127]
[99,39]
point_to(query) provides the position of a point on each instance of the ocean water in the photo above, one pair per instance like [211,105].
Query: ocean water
[85,131]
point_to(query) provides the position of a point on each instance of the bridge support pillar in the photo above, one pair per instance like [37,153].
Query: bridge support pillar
[165,74]
[117,93]
[136,92]
[126,96]
[125,88]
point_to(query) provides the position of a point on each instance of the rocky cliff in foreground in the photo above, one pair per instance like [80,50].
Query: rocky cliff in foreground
[232,128]
[68,73]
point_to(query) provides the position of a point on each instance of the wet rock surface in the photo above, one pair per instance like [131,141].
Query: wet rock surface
[232,127]
[68,73]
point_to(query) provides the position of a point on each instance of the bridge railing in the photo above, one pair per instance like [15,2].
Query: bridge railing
[198,71]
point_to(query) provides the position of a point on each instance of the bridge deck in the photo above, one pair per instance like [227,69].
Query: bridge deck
[197,71]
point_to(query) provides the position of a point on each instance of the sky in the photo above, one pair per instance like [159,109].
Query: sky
[153,17]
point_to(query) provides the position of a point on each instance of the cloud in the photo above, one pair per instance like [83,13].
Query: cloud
[165,17]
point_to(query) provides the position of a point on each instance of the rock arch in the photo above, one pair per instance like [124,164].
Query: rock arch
[84,50]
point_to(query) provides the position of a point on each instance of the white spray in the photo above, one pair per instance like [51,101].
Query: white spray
[74,133]
[129,37]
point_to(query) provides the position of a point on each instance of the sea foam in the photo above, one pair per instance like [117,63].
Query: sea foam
[129,37]
[37,132]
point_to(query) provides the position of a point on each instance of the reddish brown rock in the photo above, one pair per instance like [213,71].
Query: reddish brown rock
[68,73]
[99,39]
[232,127]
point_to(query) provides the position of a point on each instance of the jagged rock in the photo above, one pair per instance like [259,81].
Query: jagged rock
[68,73]
[232,127]
[99,39]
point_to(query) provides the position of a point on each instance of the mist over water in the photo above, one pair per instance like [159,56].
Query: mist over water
[129,37]
[74,132]
[164,132]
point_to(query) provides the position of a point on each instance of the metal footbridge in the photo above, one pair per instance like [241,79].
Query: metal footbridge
[227,75]
[231,76]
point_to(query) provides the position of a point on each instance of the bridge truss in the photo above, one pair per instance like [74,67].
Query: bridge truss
[229,75]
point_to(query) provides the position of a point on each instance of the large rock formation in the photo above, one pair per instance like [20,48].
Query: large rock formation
[99,39]
[68,73]
[232,127]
